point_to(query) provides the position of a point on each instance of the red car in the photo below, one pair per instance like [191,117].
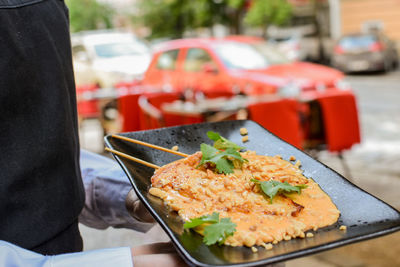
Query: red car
[237,64]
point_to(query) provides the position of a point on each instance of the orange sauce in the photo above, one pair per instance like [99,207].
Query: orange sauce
[194,192]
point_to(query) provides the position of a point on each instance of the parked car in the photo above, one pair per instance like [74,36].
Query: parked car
[301,42]
[365,52]
[239,65]
[108,57]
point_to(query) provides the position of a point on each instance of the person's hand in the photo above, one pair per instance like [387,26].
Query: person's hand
[157,254]
[137,209]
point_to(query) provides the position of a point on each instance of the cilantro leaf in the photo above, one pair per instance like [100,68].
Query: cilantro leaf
[213,135]
[221,142]
[272,188]
[224,155]
[208,152]
[224,166]
[213,218]
[223,160]
[217,230]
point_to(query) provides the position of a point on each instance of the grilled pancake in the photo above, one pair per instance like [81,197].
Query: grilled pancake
[194,191]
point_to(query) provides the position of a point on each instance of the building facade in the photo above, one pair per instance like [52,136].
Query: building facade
[358,15]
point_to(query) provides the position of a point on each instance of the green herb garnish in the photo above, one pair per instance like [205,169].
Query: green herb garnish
[223,155]
[217,229]
[272,188]
[221,142]
[213,218]
[223,160]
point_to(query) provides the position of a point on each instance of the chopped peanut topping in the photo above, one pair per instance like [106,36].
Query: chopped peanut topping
[194,191]
[268,246]
[287,237]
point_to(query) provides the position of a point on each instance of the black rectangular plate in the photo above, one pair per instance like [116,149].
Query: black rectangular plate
[364,215]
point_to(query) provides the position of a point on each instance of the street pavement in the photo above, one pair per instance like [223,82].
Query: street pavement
[374,166]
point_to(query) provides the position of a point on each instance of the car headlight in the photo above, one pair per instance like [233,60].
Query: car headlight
[320,87]
[289,90]
[342,85]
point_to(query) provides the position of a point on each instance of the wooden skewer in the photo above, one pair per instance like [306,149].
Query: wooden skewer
[149,145]
[148,164]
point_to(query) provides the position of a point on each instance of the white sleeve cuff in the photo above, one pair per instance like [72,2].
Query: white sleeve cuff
[110,257]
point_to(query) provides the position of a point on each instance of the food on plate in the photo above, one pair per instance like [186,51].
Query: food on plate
[244,133]
[241,198]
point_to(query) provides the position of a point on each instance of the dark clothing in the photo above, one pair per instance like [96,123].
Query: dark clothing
[41,191]
[69,240]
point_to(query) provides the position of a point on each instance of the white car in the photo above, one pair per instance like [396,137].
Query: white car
[108,57]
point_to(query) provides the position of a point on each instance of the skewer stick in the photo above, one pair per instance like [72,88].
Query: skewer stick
[149,145]
[148,164]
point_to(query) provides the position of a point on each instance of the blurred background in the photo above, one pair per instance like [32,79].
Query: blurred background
[321,74]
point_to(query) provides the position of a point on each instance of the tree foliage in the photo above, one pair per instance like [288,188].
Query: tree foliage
[89,15]
[174,17]
[171,18]
[263,13]
[165,17]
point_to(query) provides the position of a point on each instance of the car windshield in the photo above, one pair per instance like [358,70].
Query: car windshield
[236,55]
[357,41]
[121,49]
[271,54]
